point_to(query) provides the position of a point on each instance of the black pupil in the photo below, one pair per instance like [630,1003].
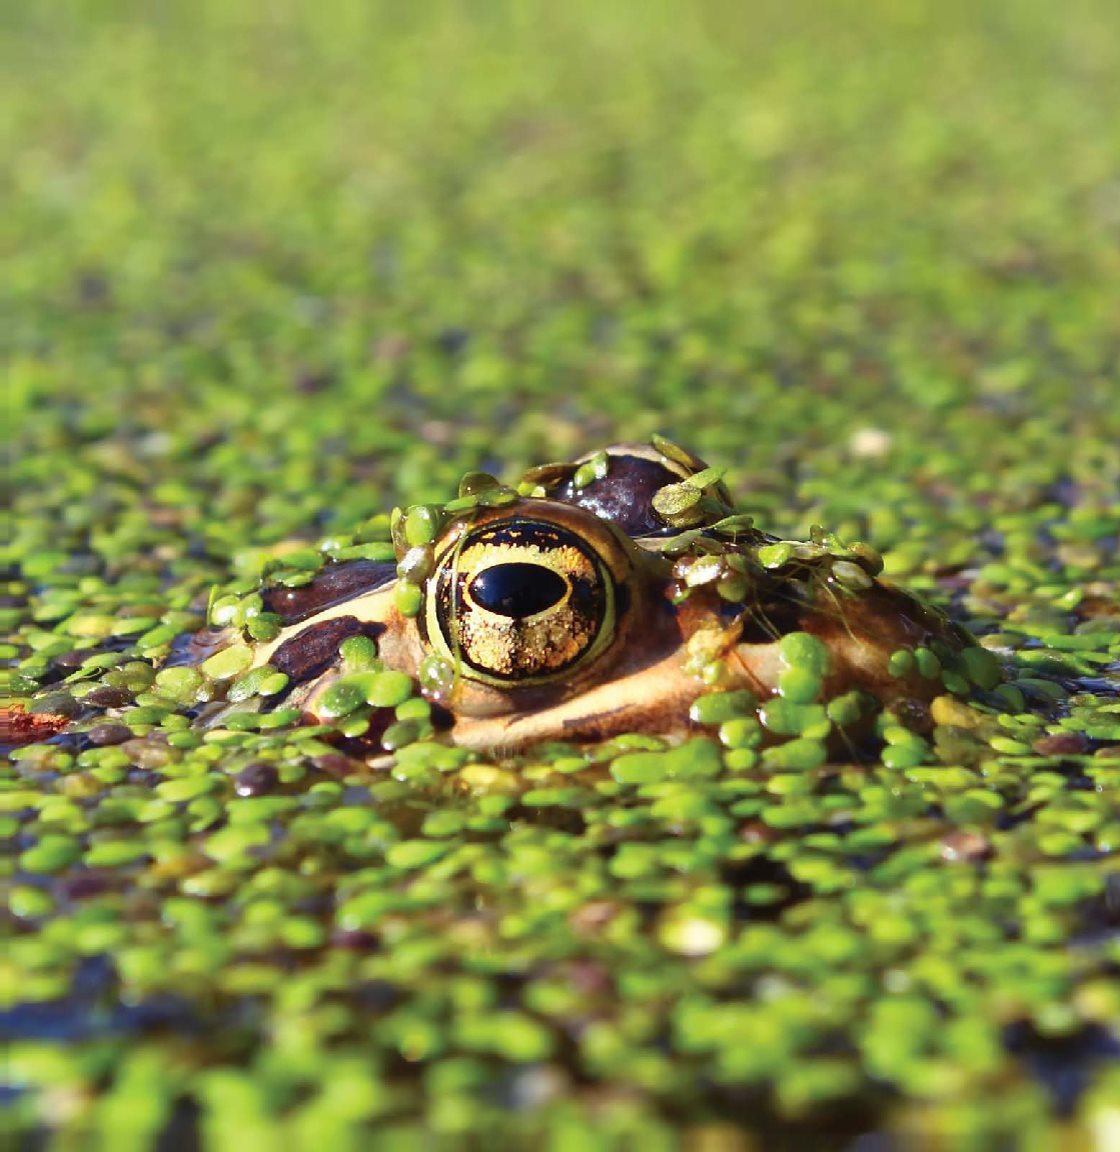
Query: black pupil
[518,589]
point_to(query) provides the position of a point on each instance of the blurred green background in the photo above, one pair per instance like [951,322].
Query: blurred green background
[270,268]
[363,246]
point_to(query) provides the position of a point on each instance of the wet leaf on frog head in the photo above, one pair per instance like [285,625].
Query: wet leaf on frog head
[847,709]
[547,475]
[497,497]
[737,524]
[706,478]
[804,650]
[408,598]
[851,576]
[396,529]
[591,470]
[672,451]
[675,500]
[702,570]
[301,560]
[379,551]
[775,555]
[346,695]
[673,545]
[475,482]
[264,627]
[733,587]
[463,504]
[416,564]
[437,677]
[421,525]
[866,557]
[388,689]
[359,654]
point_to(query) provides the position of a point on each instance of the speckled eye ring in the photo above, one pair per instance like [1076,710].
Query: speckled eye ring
[520,600]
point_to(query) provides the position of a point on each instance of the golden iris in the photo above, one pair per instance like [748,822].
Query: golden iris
[520,600]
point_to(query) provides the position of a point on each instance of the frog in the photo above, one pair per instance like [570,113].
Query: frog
[593,598]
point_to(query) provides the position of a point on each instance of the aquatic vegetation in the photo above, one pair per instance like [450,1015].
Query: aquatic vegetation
[266,277]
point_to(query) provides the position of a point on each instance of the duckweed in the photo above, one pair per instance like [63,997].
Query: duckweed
[408,597]
[228,663]
[236,336]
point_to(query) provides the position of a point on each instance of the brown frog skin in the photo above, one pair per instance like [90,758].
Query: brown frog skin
[573,611]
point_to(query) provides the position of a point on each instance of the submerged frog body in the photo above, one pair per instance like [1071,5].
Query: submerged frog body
[602,597]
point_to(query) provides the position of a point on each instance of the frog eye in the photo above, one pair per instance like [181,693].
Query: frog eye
[520,600]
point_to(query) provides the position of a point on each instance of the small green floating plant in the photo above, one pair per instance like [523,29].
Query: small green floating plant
[757,783]
[789,913]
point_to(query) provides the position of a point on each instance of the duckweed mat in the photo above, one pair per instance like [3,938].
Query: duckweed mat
[270,270]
